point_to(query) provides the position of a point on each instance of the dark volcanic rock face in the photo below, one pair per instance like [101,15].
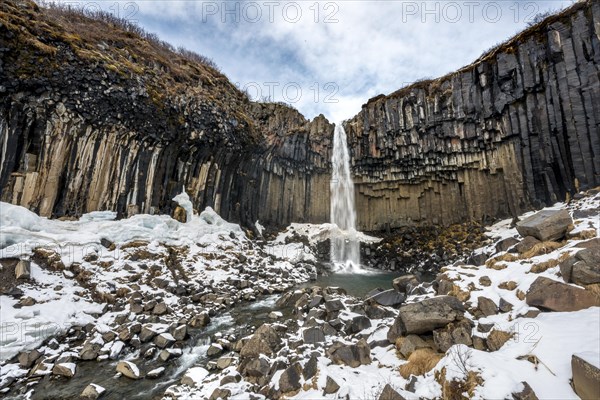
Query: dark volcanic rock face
[95,117]
[517,129]
[88,124]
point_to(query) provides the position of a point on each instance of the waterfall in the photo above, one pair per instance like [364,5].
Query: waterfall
[345,247]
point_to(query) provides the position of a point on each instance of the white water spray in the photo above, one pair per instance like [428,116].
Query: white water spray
[345,247]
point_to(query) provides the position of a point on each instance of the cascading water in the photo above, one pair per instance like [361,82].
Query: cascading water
[345,247]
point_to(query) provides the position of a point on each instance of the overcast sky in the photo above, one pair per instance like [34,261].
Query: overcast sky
[330,57]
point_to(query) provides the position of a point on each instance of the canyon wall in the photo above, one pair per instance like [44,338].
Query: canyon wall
[517,129]
[89,122]
[130,126]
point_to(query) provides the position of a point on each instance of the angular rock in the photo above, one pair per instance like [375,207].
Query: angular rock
[64,369]
[334,305]
[331,386]
[313,335]
[425,316]
[586,375]
[411,343]
[92,392]
[264,341]
[526,244]
[389,298]
[506,244]
[451,334]
[404,284]
[155,373]
[310,368]
[526,393]
[220,394]
[164,340]
[128,369]
[214,349]
[546,225]
[557,296]
[289,381]
[358,323]
[27,358]
[487,306]
[388,393]
[23,269]
[353,355]
[583,268]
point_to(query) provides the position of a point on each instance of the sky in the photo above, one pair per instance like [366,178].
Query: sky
[330,57]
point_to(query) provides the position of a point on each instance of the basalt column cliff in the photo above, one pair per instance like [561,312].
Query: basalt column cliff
[517,129]
[96,115]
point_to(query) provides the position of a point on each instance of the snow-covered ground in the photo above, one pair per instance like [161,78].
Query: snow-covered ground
[114,274]
[539,351]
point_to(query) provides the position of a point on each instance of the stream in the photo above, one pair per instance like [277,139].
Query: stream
[238,321]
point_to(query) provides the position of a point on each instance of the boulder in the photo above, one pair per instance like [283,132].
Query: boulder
[220,394]
[334,305]
[486,306]
[214,349]
[313,335]
[358,323]
[583,268]
[546,225]
[505,244]
[526,393]
[257,368]
[92,392]
[331,386]
[353,355]
[264,341]
[425,316]
[128,369]
[407,345]
[404,284]
[388,393]
[310,368]
[180,332]
[289,381]
[164,340]
[155,373]
[147,333]
[389,298]
[23,269]
[526,244]
[199,320]
[586,375]
[27,358]
[160,308]
[64,369]
[90,350]
[557,296]
[453,333]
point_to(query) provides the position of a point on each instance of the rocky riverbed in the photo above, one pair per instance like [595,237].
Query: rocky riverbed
[149,307]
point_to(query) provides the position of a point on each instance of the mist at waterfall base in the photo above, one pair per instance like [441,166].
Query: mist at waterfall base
[345,246]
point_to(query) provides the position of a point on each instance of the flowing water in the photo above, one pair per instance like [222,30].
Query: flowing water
[345,247]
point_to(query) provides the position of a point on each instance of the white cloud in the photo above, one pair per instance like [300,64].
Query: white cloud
[374,47]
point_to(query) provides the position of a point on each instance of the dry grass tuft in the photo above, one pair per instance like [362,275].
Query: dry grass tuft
[584,235]
[543,266]
[458,389]
[542,248]
[509,285]
[420,362]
